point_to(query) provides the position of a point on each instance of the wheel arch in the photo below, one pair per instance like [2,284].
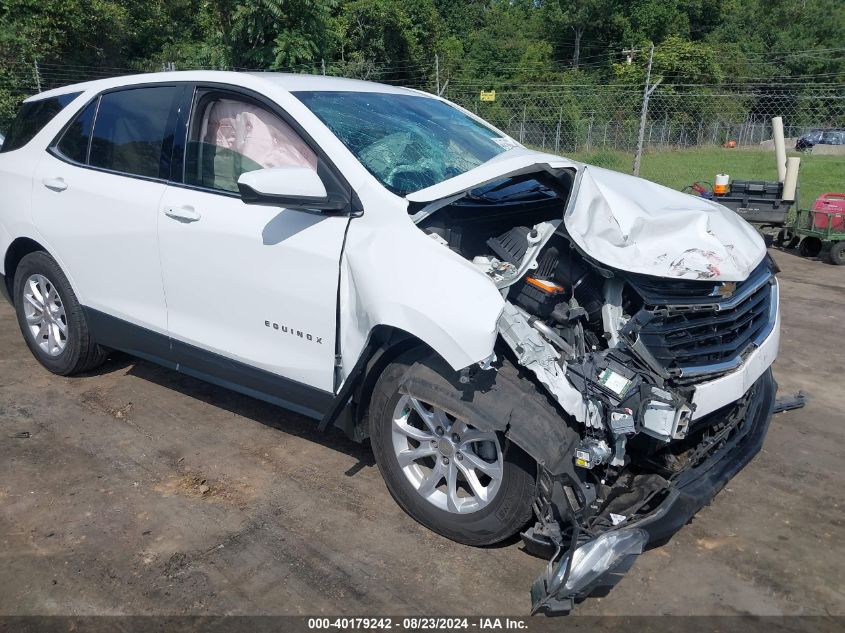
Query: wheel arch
[18,249]
[517,406]
[385,343]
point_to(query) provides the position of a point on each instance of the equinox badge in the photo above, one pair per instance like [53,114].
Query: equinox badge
[284,329]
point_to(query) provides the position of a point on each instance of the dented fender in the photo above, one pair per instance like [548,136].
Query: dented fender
[406,280]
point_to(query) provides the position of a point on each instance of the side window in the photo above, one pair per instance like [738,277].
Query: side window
[31,119]
[132,129]
[230,136]
[77,137]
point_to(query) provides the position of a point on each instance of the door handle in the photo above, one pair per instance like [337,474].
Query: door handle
[182,214]
[55,184]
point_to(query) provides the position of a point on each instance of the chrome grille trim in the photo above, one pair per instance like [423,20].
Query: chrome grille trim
[692,336]
[736,362]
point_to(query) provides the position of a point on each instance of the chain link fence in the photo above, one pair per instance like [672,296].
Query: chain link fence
[561,119]
[580,119]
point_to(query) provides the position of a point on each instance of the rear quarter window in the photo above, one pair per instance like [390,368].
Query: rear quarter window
[77,137]
[31,119]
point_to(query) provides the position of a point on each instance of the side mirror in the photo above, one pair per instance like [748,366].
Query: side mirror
[289,187]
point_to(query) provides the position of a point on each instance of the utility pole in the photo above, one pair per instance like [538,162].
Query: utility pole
[37,75]
[437,72]
[629,54]
[646,94]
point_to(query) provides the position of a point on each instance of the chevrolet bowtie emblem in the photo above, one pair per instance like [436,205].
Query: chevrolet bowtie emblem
[724,289]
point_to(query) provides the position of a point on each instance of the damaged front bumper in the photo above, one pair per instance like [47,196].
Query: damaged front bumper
[666,390]
[592,553]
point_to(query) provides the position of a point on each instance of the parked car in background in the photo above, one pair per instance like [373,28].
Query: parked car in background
[820,137]
[530,344]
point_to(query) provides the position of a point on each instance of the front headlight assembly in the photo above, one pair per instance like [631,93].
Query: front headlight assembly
[567,578]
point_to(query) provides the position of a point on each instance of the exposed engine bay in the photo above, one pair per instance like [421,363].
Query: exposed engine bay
[620,352]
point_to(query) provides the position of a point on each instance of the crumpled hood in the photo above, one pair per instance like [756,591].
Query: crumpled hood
[642,227]
[630,223]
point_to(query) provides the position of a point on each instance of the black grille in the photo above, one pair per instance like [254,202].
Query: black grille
[690,332]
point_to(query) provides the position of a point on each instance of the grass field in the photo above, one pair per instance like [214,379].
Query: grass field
[680,168]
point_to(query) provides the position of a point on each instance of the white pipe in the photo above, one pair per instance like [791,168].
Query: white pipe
[790,183]
[780,147]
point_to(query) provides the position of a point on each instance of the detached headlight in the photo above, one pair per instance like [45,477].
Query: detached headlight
[590,563]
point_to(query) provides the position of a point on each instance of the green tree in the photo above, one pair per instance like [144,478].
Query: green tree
[571,20]
[270,33]
[399,37]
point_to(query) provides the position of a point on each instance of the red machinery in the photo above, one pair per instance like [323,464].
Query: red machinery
[829,212]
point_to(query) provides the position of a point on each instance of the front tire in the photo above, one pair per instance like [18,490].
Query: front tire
[51,320]
[466,483]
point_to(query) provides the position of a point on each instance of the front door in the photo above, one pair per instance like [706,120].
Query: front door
[251,290]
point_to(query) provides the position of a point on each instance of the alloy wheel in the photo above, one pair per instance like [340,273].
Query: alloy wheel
[452,465]
[46,319]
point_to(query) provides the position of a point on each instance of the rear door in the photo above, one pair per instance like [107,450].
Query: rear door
[251,290]
[96,199]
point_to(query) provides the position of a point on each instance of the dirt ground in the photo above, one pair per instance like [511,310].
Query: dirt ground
[138,490]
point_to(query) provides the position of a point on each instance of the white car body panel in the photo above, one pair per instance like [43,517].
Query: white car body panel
[299,181]
[395,275]
[114,217]
[5,242]
[241,266]
[639,226]
[15,219]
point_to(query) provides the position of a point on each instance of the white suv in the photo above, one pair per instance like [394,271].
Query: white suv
[529,343]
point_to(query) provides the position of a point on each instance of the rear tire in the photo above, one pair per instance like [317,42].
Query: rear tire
[51,319]
[433,384]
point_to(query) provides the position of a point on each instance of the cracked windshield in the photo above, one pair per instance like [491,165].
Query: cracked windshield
[407,142]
